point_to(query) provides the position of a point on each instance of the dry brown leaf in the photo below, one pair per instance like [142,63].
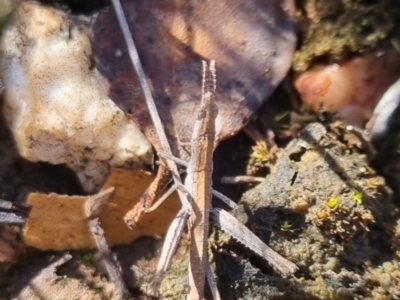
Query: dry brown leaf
[252,42]
[58,222]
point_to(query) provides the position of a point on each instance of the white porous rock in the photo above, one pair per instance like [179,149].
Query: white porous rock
[53,104]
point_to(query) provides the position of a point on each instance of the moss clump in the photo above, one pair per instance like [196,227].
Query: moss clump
[344,219]
[333,202]
[261,159]
[326,210]
[175,283]
[333,29]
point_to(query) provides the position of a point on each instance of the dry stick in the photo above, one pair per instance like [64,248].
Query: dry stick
[232,204]
[198,181]
[11,218]
[162,199]
[147,199]
[175,230]
[243,235]
[171,242]
[247,238]
[212,283]
[168,246]
[253,133]
[93,207]
[178,160]
[241,179]
[151,106]
[5,204]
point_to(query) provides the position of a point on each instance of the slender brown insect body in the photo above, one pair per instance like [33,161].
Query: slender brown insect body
[199,184]
[198,181]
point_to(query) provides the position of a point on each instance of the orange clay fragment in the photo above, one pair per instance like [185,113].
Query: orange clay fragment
[58,222]
[353,87]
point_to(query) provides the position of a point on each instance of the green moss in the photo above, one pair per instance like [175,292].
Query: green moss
[87,258]
[332,202]
[286,226]
[358,197]
[175,283]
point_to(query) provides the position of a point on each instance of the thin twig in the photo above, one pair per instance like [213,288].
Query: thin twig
[253,133]
[172,240]
[241,179]
[151,106]
[217,194]
[248,239]
[162,199]
[163,177]
[5,204]
[93,208]
[94,204]
[175,230]
[11,218]
[232,204]
[178,160]
[212,283]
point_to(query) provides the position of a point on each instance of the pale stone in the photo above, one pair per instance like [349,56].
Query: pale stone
[53,104]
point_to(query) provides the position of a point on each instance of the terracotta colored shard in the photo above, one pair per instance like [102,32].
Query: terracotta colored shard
[58,222]
[352,87]
[252,42]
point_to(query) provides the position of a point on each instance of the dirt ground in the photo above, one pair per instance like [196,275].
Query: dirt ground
[329,202]
[322,206]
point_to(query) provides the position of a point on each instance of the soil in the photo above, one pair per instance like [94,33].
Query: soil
[324,208]
[323,204]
